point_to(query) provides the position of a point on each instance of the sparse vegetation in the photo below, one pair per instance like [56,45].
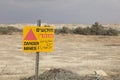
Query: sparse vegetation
[9,30]
[95,29]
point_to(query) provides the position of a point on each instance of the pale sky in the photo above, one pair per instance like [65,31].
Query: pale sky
[60,11]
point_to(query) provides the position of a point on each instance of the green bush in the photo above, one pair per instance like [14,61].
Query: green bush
[78,30]
[84,31]
[9,30]
[13,29]
[64,30]
[97,29]
[112,32]
[3,30]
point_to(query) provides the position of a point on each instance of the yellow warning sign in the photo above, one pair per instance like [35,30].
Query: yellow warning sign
[38,39]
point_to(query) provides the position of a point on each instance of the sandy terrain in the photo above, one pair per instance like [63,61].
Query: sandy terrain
[78,53]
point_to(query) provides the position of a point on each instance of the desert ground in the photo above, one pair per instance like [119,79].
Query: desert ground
[78,53]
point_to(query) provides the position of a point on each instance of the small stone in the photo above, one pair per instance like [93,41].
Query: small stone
[101,73]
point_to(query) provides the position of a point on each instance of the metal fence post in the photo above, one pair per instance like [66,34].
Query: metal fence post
[37,58]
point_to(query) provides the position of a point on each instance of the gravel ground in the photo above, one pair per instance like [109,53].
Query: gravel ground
[83,55]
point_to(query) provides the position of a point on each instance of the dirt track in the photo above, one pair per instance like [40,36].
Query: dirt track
[80,54]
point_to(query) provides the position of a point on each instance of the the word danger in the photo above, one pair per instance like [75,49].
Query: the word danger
[31,43]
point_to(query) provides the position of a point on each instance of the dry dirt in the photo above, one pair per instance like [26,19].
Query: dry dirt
[84,55]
